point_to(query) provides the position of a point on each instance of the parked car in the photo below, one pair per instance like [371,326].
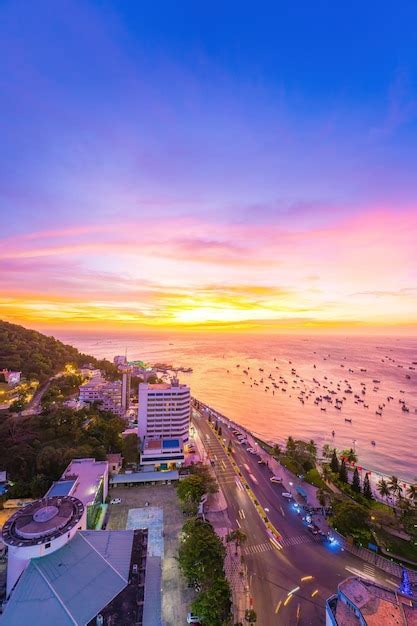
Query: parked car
[276,479]
[193,619]
[312,529]
[262,462]
[251,451]
[285,494]
[115,501]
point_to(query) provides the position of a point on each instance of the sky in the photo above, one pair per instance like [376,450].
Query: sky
[209,166]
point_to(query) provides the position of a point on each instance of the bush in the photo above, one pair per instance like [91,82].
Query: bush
[351,520]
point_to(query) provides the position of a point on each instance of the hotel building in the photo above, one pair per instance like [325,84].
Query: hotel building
[164,410]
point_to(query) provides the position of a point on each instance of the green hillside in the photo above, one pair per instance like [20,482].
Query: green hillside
[37,356]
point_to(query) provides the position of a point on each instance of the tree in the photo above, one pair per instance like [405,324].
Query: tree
[343,475]
[130,448]
[383,488]
[326,472]
[334,463]
[326,451]
[191,489]
[412,493]
[356,481]
[201,553]
[276,450]
[350,455]
[395,487]
[250,616]
[219,431]
[312,448]
[367,490]
[216,426]
[350,518]
[290,446]
[238,536]
[213,604]
[229,446]
[321,497]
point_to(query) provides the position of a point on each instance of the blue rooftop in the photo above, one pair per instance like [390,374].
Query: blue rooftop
[171,443]
[61,488]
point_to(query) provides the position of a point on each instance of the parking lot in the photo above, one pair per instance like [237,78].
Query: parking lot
[176,597]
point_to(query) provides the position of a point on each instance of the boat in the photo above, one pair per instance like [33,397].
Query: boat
[347,419]
[373,442]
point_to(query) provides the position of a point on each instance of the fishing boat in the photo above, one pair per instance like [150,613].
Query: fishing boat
[347,419]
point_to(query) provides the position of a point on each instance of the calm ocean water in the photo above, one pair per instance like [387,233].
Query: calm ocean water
[273,413]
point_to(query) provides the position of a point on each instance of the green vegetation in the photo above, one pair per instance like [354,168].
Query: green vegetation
[39,357]
[130,448]
[61,389]
[191,488]
[37,449]
[352,520]
[238,536]
[201,557]
[313,477]
[396,546]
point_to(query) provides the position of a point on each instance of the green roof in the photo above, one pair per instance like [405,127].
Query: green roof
[73,584]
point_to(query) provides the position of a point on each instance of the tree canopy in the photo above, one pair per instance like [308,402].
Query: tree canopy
[39,357]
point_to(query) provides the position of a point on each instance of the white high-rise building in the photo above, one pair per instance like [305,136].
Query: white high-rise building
[164,410]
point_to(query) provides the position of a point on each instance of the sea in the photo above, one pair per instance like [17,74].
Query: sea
[277,386]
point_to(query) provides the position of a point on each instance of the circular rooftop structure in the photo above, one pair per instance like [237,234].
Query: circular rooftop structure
[42,521]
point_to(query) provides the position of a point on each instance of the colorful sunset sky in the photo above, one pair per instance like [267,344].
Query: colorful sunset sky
[209,165]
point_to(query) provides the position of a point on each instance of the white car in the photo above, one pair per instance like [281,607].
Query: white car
[275,479]
[193,619]
[251,450]
[286,495]
[115,501]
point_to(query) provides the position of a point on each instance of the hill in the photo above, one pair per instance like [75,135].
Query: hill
[38,356]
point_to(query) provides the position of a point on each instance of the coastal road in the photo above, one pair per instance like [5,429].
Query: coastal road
[299,562]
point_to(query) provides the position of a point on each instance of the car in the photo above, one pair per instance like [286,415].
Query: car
[285,494]
[276,479]
[193,619]
[261,462]
[312,529]
[115,501]
[251,450]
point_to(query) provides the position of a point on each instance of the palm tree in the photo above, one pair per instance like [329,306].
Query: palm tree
[238,536]
[412,493]
[326,472]
[383,488]
[312,448]
[395,487]
[326,451]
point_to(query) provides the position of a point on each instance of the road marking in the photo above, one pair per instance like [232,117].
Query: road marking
[282,511]
[252,477]
[361,573]
[238,523]
[242,514]
[288,598]
[246,467]
[224,464]
[275,543]
[239,484]
[304,578]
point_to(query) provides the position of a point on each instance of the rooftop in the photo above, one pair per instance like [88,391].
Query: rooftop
[42,521]
[87,474]
[144,477]
[377,605]
[72,585]
[61,488]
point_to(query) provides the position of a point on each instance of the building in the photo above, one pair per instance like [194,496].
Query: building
[359,602]
[108,393]
[11,378]
[38,529]
[164,410]
[87,480]
[162,454]
[126,378]
[120,360]
[97,577]
[115,462]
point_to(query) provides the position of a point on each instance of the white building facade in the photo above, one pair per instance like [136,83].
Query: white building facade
[164,410]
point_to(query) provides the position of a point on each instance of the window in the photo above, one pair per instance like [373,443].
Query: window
[47,545]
